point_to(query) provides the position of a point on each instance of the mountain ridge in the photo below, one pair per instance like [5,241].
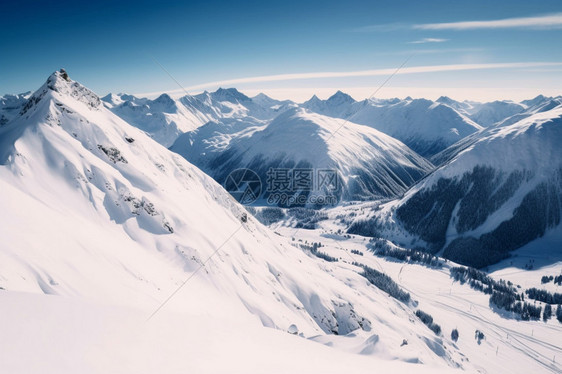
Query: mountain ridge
[369,162]
[496,192]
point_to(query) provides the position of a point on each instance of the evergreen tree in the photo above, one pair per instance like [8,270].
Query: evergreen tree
[559,313]
[547,313]
[455,335]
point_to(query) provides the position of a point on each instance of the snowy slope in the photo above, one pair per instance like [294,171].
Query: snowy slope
[510,345]
[425,126]
[497,191]
[43,334]
[370,163]
[537,105]
[97,212]
[487,114]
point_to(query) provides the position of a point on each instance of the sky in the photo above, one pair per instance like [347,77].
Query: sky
[475,50]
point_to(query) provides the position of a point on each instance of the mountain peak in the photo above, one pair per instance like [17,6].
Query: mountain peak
[164,99]
[229,94]
[537,100]
[64,75]
[313,100]
[266,101]
[340,98]
[112,99]
[263,98]
[540,97]
[57,79]
[61,83]
[261,95]
[445,100]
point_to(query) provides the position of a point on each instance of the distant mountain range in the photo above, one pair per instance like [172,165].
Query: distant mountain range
[369,164]
[425,126]
[473,180]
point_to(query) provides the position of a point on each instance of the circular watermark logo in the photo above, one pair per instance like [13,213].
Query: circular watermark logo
[244,185]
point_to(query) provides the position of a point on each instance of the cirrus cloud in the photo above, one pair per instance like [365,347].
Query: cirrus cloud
[548,21]
[428,40]
[360,73]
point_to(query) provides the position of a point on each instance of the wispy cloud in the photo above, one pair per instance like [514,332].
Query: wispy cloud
[361,73]
[428,40]
[548,21]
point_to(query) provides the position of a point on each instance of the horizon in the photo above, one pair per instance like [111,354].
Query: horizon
[467,51]
[324,94]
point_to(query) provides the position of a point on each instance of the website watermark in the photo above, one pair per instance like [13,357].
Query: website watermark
[285,186]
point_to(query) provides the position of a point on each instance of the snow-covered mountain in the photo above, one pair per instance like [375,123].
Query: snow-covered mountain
[95,209]
[537,105]
[501,111]
[102,228]
[339,105]
[274,105]
[165,118]
[428,127]
[10,105]
[425,126]
[494,192]
[369,163]
[70,159]
[231,103]
[487,114]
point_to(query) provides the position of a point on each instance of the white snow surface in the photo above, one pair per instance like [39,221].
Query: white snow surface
[510,345]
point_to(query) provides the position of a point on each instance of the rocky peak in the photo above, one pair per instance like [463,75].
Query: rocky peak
[61,83]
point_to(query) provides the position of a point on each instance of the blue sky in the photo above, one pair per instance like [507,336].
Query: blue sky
[497,49]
